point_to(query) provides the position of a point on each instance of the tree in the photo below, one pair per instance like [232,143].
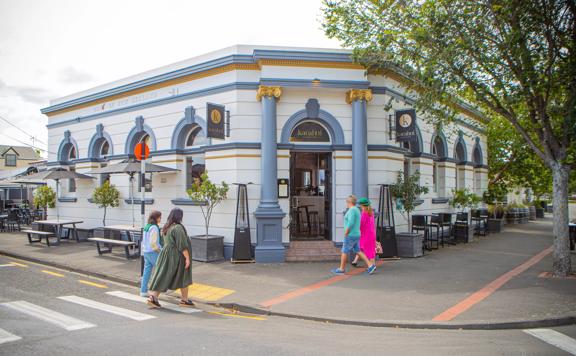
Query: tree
[512,58]
[44,197]
[407,192]
[464,198]
[209,194]
[106,196]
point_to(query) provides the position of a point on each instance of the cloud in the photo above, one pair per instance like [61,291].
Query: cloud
[71,75]
[36,95]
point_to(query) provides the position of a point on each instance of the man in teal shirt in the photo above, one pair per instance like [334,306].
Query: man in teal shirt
[352,237]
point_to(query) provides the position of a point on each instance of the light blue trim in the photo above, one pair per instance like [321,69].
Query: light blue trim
[309,83]
[147,201]
[172,99]
[135,133]
[187,201]
[439,133]
[65,146]
[477,147]
[189,122]
[96,142]
[67,199]
[302,55]
[325,118]
[460,140]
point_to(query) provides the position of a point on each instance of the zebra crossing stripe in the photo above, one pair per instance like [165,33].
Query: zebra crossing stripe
[64,321]
[554,338]
[5,336]
[107,308]
[137,298]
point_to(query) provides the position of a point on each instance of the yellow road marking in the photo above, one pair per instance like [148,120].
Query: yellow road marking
[238,316]
[207,292]
[92,284]
[19,264]
[53,273]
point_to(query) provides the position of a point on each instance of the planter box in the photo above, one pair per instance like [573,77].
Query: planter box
[495,225]
[207,248]
[409,244]
[540,213]
[464,233]
[532,212]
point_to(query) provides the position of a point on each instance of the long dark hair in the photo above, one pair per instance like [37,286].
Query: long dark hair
[154,216]
[175,217]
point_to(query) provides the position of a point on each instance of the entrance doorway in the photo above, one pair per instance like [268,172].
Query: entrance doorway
[310,196]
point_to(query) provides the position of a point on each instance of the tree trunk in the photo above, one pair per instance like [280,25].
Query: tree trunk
[561,260]
[104,218]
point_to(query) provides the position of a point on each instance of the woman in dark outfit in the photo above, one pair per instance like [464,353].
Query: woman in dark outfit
[173,268]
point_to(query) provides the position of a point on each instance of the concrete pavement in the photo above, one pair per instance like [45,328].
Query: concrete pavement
[491,283]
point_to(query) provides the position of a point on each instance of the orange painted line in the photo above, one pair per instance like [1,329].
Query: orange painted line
[490,288]
[305,290]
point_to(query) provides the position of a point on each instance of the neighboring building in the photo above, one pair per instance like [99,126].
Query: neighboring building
[310,116]
[17,157]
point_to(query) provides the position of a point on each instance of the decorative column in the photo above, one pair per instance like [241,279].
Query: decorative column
[358,98]
[269,215]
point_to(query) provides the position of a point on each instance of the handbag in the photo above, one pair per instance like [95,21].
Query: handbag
[379,249]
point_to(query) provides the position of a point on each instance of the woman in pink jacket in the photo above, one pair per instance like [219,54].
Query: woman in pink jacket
[367,231]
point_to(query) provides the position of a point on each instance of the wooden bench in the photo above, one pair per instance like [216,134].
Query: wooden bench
[39,236]
[109,243]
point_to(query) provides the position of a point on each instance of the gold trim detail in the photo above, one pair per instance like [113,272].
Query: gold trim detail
[386,157]
[188,78]
[264,90]
[313,64]
[358,94]
[233,156]
[283,156]
[343,157]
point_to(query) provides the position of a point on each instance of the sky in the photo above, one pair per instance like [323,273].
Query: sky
[52,48]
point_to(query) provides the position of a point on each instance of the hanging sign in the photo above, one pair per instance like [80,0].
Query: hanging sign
[283,188]
[215,114]
[406,125]
[309,131]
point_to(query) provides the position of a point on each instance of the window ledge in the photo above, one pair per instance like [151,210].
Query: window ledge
[186,201]
[440,200]
[147,201]
[67,199]
[90,200]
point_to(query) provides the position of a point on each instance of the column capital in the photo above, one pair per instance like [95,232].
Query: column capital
[358,94]
[264,90]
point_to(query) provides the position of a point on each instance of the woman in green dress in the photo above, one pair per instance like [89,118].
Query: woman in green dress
[173,268]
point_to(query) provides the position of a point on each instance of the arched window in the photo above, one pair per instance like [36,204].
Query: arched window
[460,158]
[104,149]
[72,153]
[438,152]
[196,137]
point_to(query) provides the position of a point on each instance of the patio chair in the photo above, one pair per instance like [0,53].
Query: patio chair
[13,221]
[446,221]
[435,222]
[462,227]
[419,224]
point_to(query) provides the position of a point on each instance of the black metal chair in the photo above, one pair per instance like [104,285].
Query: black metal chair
[462,227]
[446,222]
[435,223]
[13,220]
[419,223]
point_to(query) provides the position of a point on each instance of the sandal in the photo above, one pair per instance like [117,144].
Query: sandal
[153,302]
[186,303]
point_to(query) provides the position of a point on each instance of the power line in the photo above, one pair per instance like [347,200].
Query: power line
[34,139]
[26,144]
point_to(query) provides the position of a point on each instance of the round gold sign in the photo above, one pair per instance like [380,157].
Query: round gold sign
[215,116]
[405,120]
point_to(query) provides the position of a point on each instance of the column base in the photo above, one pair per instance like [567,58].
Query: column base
[269,234]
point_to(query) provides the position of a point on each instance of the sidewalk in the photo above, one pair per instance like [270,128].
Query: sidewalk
[492,283]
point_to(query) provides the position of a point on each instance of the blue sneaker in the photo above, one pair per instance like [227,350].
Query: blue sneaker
[337,271]
[371,269]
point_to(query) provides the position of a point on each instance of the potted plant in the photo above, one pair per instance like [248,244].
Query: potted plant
[207,248]
[106,196]
[407,192]
[495,217]
[45,197]
[539,206]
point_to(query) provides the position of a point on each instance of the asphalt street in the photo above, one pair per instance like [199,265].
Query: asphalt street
[45,311]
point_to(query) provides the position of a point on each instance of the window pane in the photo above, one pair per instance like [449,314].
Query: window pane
[72,183]
[194,168]
[10,160]
[104,149]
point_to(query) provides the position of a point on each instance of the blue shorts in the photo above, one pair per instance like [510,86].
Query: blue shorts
[351,244]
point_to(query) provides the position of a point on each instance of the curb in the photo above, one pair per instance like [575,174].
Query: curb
[404,324]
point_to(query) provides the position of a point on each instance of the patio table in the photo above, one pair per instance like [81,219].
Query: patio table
[59,225]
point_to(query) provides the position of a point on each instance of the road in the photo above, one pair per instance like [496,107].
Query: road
[45,311]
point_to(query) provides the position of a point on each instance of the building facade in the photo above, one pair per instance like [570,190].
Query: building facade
[309,117]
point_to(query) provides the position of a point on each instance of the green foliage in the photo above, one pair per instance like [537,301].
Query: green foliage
[209,193]
[495,193]
[496,211]
[44,196]
[106,196]
[463,198]
[407,192]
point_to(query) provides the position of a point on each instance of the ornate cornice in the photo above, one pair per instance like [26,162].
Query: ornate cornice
[264,90]
[358,94]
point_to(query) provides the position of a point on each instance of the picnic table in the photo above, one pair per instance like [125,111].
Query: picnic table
[58,225]
[132,243]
